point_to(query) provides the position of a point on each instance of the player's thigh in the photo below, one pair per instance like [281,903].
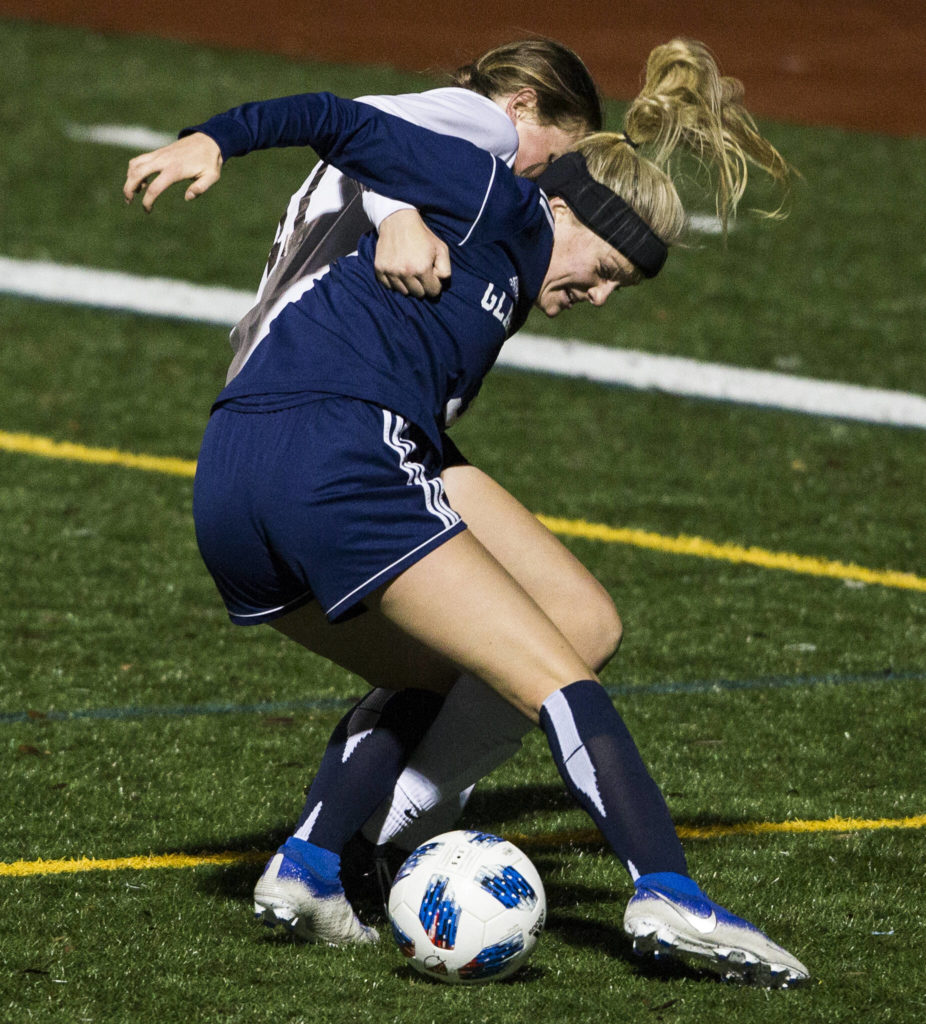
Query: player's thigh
[370,646]
[461,603]
[569,594]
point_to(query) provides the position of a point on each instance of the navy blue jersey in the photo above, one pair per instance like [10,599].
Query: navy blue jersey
[341,331]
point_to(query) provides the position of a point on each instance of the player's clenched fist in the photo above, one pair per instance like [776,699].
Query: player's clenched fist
[195,158]
[410,258]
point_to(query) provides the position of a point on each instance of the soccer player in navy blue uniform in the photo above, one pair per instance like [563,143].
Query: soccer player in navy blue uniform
[525,102]
[318,495]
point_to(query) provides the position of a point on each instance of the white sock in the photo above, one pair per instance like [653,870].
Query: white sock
[474,732]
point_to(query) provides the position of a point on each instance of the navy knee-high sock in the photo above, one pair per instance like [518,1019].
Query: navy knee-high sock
[602,768]
[364,757]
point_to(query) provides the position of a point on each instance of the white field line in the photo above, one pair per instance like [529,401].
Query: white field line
[707,224]
[125,136]
[110,289]
[696,379]
[158,296]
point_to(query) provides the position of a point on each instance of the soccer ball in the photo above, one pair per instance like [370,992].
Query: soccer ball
[467,907]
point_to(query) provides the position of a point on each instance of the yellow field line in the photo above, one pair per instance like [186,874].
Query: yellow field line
[697,547]
[701,548]
[45,447]
[79,865]
[746,828]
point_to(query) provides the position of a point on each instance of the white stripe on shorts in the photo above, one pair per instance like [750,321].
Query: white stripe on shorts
[436,503]
[394,431]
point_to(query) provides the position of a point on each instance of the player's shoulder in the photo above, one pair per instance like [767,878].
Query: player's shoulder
[531,205]
[451,99]
[456,111]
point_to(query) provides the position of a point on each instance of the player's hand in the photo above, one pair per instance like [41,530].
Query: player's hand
[410,258]
[195,157]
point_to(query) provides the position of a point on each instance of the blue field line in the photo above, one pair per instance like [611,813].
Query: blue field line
[764,683]
[341,703]
[180,710]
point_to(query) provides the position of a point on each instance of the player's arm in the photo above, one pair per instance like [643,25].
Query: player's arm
[410,258]
[447,178]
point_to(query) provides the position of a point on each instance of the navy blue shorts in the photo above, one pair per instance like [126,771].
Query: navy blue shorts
[327,500]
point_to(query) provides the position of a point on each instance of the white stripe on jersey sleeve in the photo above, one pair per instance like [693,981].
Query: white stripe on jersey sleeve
[485,199]
[458,112]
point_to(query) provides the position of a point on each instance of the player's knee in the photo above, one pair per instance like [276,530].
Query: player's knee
[588,618]
[605,634]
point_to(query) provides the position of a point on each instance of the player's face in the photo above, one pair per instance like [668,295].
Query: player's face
[583,267]
[538,144]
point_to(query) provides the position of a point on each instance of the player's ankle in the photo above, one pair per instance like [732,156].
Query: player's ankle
[669,880]
[323,862]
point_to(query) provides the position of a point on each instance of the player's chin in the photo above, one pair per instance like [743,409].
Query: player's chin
[552,305]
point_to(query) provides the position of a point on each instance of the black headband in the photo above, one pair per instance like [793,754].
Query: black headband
[602,210]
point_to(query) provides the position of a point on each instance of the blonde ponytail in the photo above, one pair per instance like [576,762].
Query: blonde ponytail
[686,102]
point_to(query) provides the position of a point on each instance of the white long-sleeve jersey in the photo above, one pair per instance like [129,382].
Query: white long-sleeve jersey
[330,212]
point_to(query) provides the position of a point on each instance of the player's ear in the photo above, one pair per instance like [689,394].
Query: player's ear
[522,104]
[559,207]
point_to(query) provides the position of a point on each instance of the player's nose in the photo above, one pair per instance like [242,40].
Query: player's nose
[599,295]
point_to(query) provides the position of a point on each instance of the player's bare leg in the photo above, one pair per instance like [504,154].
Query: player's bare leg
[542,565]
[371,647]
[462,604]
[476,730]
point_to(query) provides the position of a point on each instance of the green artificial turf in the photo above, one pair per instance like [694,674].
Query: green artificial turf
[755,695]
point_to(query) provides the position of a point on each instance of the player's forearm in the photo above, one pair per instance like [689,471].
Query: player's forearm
[383,152]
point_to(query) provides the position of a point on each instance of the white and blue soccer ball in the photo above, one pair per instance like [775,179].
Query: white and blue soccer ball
[467,907]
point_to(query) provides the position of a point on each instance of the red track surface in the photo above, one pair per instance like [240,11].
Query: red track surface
[852,63]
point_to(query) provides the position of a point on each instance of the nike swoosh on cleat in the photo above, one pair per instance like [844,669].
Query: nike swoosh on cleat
[704,925]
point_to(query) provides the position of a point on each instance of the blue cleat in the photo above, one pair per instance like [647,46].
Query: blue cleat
[670,916]
[300,890]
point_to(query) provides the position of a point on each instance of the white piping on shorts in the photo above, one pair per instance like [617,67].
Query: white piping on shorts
[383,572]
[273,611]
